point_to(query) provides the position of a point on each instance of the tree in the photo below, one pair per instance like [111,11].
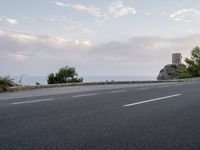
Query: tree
[51,79]
[65,75]
[193,69]
[5,83]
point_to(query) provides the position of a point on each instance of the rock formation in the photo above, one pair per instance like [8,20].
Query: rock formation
[170,72]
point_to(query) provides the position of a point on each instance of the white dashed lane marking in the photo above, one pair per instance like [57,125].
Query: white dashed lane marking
[117,91]
[83,95]
[151,100]
[33,101]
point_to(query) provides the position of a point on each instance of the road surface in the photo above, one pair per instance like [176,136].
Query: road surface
[129,117]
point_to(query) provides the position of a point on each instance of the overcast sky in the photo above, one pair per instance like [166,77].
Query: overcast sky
[98,37]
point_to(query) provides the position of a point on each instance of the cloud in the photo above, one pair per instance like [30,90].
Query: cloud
[8,21]
[143,55]
[164,13]
[82,8]
[19,56]
[18,45]
[68,24]
[117,9]
[186,15]
[148,46]
[148,14]
[23,52]
[60,3]
[12,21]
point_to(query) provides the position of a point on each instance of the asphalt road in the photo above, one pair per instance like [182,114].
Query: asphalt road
[156,117]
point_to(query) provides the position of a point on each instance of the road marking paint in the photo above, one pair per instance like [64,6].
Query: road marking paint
[163,86]
[144,88]
[117,91]
[33,101]
[151,100]
[179,84]
[84,95]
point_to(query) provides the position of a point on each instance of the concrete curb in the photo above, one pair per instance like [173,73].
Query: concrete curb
[23,88]
[190,79]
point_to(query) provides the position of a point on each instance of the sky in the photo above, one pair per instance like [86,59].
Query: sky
[97,37]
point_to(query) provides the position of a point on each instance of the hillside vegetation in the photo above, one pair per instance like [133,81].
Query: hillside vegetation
[193,64]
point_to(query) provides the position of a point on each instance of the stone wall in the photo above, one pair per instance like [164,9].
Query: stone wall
[22,88]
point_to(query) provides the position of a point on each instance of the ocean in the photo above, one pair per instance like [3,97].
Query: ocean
[31,80]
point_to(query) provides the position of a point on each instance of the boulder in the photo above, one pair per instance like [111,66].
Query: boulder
[170,72]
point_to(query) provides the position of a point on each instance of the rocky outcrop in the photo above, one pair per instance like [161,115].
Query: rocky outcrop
[170,72]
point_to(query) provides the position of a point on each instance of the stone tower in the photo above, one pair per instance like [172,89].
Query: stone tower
[176,58]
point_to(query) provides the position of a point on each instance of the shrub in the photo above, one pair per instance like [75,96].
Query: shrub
[5,83]
[185,74]
[51,79]
[65,75]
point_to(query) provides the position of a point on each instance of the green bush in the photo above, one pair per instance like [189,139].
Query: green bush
[51,79]
[5,83]
[65,75]
[185,74]
[194,63]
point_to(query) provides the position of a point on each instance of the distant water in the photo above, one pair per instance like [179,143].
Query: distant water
[31,80]
[117,78]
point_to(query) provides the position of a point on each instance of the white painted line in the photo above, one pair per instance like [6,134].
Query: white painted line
[144,88]
[33,101]
[84,95]
[117,91]
[151,100]
[163,86]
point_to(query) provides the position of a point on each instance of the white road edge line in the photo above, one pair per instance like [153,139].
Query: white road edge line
[152,100]
[117,91]
[83,95]
[33,101]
